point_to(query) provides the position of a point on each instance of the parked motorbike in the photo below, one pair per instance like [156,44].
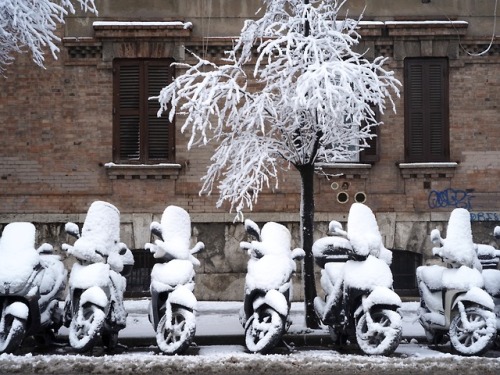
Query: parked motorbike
[453,302]
[94,304]
[357,281]
[31,285]
[173,304]
[489,257]
[268,285]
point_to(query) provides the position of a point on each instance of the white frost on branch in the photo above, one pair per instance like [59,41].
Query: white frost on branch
[303,100]
[32,24]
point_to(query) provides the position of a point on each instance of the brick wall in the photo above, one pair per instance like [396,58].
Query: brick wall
[56,137]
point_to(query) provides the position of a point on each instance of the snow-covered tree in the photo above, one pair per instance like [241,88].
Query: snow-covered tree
[313,93]
[31,25]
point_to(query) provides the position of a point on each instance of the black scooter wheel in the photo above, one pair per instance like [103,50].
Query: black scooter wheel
[382,335]
[175,338]
[85,328]
[12,334]
[264,330]
[475,336]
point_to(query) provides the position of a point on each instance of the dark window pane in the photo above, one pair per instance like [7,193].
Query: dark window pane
[426,110]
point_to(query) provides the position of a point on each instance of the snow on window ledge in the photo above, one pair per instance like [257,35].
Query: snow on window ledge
[118,30]
[143,24]
[348,170]
[142,171]
[428,170]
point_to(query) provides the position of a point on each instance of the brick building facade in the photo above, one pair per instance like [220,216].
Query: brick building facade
[59,148]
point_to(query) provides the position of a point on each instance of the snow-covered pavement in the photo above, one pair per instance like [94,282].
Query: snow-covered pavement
[220,320]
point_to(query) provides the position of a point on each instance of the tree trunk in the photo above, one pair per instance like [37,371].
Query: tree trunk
[307,231]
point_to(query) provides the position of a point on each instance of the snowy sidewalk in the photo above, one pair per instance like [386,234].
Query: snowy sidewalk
[218,323]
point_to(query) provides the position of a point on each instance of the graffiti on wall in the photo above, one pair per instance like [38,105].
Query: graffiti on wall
[484,216]
[451,198]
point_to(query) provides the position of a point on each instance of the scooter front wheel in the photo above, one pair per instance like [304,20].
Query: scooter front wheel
[175,338]
[12,333]
[264,329]
[476,335]
[382,335]
[85,327]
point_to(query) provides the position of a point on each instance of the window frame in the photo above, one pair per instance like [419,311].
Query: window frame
[432,115]
[145,110]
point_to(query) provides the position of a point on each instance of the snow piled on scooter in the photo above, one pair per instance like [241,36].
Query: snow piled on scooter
[275,267]
[18,253]
[458,246]
[98,269]
[364,234]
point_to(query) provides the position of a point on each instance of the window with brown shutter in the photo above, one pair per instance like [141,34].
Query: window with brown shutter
[371,153]
[139,135]
[426,110]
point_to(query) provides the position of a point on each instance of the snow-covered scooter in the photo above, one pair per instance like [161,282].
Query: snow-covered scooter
[94,304]
[453,302]
[31,285]
[173,304]
[268,285]
[490,259]
[357,282]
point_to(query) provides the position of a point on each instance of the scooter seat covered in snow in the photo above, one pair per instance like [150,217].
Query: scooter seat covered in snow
[175,272]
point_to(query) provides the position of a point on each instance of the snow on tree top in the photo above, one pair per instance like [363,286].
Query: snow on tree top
[314,93]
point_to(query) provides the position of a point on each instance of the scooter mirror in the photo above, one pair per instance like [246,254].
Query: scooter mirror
[436,237]
[123,251]
[334,227]
[156,230]
[200,246]
[252,229]
[72,229]
[496,232]
[298,254]
[45,249]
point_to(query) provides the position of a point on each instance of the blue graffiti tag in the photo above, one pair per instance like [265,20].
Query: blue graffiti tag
[484,216]
[451,197]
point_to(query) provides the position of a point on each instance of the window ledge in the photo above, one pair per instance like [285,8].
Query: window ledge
[149,30]
[348,170]
[142,171]
[428,170]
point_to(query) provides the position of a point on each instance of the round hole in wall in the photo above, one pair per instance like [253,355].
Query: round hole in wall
[334,185]
[360,197]
[342,197]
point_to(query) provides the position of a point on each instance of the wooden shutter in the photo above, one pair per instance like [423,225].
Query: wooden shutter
[159,130]
[139,136]
[426,110]
[371,154]
[127,112]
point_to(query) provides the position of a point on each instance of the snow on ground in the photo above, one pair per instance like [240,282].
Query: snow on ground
[220,319]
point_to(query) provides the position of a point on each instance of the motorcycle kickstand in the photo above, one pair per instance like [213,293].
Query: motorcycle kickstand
[291,347]
[117,348]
